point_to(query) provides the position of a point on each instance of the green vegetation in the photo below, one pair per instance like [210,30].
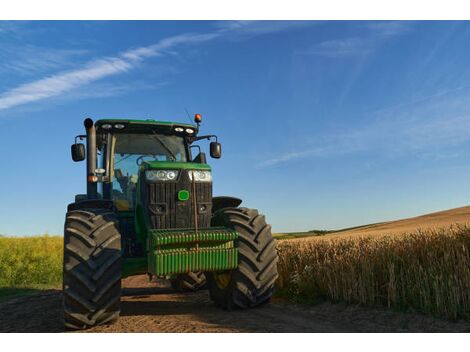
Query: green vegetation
[423,271]
[29,263]
[356,227]
[292,235]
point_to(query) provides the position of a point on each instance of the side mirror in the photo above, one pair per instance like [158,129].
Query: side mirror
[78,152]
[216,150]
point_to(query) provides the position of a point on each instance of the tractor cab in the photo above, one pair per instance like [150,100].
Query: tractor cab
[119,149]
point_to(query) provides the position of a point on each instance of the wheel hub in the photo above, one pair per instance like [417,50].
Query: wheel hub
[222,279]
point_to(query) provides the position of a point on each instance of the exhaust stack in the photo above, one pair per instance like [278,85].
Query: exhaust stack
[92,187]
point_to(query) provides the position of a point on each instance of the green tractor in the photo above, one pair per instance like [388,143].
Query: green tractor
[149,209]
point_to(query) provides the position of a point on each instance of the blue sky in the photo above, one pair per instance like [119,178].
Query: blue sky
[323,124]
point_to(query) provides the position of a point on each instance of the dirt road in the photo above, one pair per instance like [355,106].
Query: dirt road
[150,307]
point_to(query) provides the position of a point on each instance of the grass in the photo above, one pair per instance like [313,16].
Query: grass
[427,272]
[292,235]
[28,264]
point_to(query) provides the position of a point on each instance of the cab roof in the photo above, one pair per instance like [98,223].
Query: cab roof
[142,126]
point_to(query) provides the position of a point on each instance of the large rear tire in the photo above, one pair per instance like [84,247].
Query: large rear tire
[189,282]
[252,283]
[91,269]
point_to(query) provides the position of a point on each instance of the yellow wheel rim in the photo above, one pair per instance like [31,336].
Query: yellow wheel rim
[222,279]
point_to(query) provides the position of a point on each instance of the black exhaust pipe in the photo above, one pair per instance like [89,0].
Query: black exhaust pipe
[91,187]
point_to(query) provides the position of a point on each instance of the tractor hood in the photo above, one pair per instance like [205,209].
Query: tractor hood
[173,165]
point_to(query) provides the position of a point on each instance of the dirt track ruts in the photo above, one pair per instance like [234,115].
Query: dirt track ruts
[148,307]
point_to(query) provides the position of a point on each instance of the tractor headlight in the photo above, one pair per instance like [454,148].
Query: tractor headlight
[200,175]
[161,175]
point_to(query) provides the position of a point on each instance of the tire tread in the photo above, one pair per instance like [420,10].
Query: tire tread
[92,268]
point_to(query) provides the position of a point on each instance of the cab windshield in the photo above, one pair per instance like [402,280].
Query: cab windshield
[130,150]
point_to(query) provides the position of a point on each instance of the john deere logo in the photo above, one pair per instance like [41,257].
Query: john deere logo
[183,195]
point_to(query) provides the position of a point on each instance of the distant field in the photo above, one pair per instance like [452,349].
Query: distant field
[432,221]
[28,264]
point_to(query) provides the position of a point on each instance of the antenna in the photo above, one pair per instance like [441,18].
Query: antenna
[189,116]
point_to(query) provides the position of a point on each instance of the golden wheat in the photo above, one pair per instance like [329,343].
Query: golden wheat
[425,271]
[428,271]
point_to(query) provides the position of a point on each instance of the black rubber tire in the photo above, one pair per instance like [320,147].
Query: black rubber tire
[91,269]
[189,282]
[252,283]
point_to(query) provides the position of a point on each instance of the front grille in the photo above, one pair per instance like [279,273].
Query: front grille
[167,212]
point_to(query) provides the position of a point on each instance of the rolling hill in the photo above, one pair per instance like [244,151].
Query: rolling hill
[430,221]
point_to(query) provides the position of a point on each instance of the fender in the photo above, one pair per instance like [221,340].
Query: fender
[92,203]
[224,202]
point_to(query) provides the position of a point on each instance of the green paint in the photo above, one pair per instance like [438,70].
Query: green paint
[167,263]
[179,236]
[183,195]
[174,165]
[180,251]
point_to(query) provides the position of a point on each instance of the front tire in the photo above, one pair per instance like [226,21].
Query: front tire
[91,269]
[252,283]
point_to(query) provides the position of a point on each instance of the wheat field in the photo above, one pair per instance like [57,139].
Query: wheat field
[426,271]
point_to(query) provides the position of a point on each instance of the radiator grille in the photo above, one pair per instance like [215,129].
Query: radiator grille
[167,212]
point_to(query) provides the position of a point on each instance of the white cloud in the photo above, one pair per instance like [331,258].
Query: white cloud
[342,47]
[8,27]
[30,59]
[93,71]
[243,29]
[63,82]
[369,36]
[386,28]
[431,127]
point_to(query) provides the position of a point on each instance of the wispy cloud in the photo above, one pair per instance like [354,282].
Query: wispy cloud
[63,82]
[342,47]
[8,27]
[428,127]
[369,36]
[244,29]
[388,28]
[94,70]
[31,59]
